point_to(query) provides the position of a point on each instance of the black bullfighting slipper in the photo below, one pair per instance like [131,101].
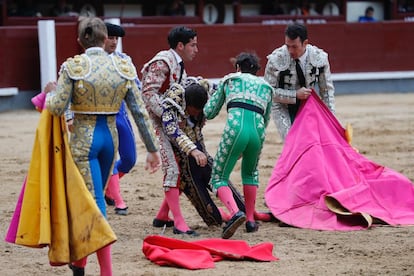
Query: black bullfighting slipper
[77,271]
[252,226]
[160,223]
[188,232]
[109,201]
[232,225]
[121,211]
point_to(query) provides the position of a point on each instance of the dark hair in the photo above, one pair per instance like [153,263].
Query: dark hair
[248,63]
[196,96]
[180,34]
[368,10]
[296,30]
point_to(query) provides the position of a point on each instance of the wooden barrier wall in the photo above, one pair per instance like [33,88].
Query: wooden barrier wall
[352,47]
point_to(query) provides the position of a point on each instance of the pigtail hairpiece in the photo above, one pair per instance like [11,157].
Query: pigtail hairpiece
[88,31]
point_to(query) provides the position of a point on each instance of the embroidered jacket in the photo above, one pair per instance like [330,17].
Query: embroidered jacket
[157,76]
[96,83]
[242,88]
[280,73]
[69,114]
[182,130]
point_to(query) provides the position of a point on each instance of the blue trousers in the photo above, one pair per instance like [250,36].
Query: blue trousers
[127,149]
[93,144]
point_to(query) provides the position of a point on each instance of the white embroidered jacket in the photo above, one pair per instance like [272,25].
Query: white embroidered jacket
[280,72]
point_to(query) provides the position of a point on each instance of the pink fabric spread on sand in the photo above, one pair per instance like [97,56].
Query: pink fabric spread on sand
[201,254]
[318,165]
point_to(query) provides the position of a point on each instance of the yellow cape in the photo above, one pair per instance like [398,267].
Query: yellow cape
[58,211]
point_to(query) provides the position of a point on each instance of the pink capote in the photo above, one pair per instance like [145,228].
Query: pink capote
[14,223]
[201,254]
[321,182]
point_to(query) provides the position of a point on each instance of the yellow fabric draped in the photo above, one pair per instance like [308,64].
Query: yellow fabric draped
[58,211]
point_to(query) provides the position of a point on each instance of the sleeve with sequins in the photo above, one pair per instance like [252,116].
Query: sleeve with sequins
[136,105]
[57,102]
[171,120]
[152,84]
[215,102]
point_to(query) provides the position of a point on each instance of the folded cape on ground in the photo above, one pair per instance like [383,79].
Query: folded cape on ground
[321,182]
[201,254]
[55,208]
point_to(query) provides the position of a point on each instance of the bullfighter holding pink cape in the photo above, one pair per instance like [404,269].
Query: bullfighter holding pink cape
[321,182]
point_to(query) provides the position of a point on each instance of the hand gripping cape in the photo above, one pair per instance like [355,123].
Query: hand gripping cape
[55,208]
[321,182]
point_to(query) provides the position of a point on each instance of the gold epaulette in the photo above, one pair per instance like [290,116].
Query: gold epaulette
[78,67]
[124,67]
[175,96]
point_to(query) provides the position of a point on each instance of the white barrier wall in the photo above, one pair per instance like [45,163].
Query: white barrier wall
[47,51]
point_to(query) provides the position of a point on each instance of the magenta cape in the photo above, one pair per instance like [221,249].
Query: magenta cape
[201,254]
[321,182]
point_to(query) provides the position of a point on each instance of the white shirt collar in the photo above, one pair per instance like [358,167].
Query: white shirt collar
[302,58]
[94,49]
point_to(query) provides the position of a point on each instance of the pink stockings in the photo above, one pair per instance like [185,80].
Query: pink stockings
[163,212]
[172,202]
[104,259]
[249,192]
[226,196]
[114,192]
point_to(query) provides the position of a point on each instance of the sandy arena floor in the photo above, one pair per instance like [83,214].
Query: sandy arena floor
[383,131]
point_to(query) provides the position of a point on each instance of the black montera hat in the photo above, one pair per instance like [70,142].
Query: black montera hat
[115,30]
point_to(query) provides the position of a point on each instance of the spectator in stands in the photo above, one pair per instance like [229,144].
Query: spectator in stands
[404,6]
[62,8]
[369,15]
[312,9]
[175,8]
[308,8]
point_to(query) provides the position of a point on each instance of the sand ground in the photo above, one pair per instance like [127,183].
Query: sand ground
[383,131]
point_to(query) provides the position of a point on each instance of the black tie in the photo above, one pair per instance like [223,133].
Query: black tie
[181,71]
[299,73]
[293,108]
